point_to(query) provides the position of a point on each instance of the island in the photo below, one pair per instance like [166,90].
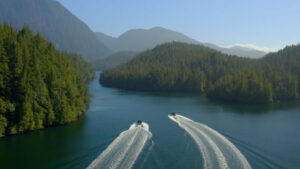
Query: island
[182,67]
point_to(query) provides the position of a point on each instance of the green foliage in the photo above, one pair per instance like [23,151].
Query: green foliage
[84,68]
[183,67]
[39,86]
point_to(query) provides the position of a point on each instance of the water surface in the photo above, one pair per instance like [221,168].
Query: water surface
[267,135]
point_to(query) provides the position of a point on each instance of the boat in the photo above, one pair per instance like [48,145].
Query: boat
[139,122]
[173,114]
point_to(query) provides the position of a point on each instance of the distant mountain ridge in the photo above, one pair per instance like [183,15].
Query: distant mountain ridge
[143,39]
[55,23]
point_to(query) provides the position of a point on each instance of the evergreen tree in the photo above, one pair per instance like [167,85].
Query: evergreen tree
[39,86]
[181,67]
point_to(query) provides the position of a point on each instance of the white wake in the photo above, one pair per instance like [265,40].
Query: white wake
[124,150]
[217,152]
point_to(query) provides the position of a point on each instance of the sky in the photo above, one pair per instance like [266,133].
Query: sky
[265,24]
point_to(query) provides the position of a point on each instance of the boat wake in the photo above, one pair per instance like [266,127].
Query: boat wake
[216,150]
[124,150]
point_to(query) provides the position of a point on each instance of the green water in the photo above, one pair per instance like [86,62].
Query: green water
[267,135]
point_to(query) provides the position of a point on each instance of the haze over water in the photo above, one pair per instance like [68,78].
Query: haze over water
[267,135]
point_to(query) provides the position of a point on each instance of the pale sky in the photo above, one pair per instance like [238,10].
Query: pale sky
[268,24]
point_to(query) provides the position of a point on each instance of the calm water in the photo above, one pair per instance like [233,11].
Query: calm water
[267,135]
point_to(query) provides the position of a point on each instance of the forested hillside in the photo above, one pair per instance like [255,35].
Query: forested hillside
[183,67]
[83,68]
[39,86]
[55,23]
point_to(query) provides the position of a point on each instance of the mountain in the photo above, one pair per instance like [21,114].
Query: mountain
[238,51]
[114,60]
[55,23]
[106,39]
[181,67]
[143,39]
[140,39]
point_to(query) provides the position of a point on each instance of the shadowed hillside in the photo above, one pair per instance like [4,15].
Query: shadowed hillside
[55,23]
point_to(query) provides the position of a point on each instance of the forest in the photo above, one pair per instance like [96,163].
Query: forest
[181,67]
[39,85]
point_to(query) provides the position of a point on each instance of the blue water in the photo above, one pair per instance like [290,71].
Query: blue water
[267,135]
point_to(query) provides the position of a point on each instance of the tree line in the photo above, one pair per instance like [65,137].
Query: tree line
[180,67]
[39,85]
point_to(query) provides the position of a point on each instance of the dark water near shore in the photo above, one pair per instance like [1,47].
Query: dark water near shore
[267,135]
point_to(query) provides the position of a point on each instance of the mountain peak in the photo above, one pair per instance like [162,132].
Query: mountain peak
[158,28]
[143,39]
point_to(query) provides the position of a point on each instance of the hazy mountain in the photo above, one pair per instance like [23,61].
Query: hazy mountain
[114,60]
[55,23]
[142,39]
[106,39]
[238,50]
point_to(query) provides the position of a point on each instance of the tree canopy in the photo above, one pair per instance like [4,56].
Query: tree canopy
[39,86]
[180,67]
